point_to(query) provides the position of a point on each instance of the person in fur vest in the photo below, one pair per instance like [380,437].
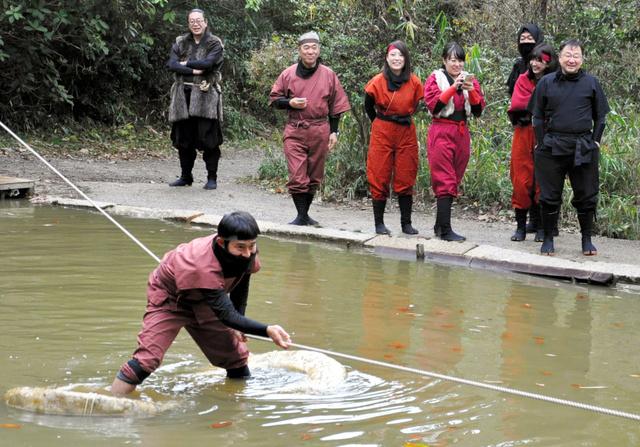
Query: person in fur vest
[195,111]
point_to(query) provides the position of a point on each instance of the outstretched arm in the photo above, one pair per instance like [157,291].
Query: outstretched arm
[225,310]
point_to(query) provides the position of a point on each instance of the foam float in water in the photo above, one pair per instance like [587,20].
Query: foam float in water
[322,373]
[64,401]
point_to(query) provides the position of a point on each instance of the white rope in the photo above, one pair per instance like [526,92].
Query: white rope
[488,386]
[565,402]
[59,174]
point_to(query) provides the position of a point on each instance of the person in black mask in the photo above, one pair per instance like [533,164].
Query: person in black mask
[568,111]
[529,36]
[203,286]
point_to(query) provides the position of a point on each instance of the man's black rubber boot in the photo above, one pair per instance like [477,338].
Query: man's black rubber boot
[378,216]
[534,218]
[406,205]
[183,180]
[212,182]
[300,201]
[549,221]
[242,372]
[309,202]
[444,220]
[521,228]
[585,218]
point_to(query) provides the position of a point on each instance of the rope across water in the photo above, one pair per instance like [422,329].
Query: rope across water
[512,391]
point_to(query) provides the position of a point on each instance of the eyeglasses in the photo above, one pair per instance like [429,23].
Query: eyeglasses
[571,56]
[196,22]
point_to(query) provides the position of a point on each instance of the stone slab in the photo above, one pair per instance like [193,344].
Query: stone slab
[589,271]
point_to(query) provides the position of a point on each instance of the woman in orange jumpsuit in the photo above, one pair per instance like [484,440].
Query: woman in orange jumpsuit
[391,98]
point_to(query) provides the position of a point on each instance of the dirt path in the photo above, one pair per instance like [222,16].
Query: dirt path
[144,183]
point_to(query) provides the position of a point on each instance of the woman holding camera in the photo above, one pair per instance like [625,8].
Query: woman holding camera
[451,96]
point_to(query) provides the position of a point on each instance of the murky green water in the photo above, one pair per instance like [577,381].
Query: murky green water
[72,296]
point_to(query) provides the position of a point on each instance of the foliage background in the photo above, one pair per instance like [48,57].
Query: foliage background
[80,64]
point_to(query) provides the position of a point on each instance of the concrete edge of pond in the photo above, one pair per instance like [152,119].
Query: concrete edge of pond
[417,247]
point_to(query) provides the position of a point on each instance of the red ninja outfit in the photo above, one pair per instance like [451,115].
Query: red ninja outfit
[306,134]
[525,191]
[393,146]
[448,141]
[175,299]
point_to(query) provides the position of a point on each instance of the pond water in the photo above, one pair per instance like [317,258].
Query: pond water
[72,293]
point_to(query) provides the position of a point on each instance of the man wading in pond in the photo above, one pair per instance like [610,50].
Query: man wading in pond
[196,106]
[310,92]
[202,286]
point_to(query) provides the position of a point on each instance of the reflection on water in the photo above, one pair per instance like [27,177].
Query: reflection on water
[72,293]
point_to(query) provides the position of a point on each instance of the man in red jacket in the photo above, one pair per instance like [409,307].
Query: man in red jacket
[311,94]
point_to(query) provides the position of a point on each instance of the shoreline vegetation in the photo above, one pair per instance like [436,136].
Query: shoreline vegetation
[90,82]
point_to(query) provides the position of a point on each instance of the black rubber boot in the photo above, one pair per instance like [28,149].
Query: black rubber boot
[534,219]
[436,227]
[443,220]
[187,159]
[521,229]
[406,204]
[378,216]
[300,201]
[212,182]
[242,372]
[585,218]
[183,180]
[308,205]
[549,220]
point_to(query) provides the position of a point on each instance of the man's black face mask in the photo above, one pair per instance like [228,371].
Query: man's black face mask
[232,265]
[525,49]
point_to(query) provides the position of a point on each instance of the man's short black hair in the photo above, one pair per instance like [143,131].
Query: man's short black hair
[238,225]
[572,43]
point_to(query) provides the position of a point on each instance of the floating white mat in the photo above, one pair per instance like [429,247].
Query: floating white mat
[65,401]
[322,373]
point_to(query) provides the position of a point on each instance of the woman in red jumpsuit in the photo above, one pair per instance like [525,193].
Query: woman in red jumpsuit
[451,96]
[391,98]
[525,191]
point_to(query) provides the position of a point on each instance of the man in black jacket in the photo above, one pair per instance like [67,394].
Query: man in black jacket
[568,111]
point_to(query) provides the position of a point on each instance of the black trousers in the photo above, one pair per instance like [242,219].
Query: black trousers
[551,170]
[194,134]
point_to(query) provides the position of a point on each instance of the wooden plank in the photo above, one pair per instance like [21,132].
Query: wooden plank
[15,183]
[13,187]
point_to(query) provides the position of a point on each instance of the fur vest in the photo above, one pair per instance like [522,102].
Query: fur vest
[443,84]
[202,103]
